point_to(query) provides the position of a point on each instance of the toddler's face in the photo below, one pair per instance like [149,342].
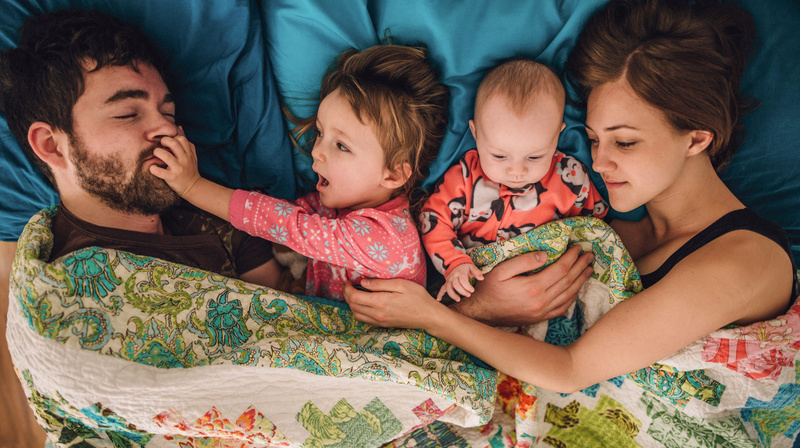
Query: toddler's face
[348,158]
[517,151]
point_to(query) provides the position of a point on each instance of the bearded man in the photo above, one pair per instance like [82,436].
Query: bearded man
[84,93]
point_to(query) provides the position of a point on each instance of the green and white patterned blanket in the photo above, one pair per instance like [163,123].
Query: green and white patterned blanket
[121,350]
[736,387]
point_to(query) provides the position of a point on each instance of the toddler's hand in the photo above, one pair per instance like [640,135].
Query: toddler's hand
[179,154]
[458,282]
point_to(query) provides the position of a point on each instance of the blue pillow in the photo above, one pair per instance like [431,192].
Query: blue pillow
[765,173]
[222,80]
[464,40]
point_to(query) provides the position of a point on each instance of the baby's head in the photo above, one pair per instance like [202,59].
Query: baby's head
[394,91]
[519,111]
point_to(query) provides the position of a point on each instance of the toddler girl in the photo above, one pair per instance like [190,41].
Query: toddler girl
[379,124]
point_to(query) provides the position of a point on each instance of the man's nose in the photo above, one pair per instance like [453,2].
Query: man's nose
[161,127]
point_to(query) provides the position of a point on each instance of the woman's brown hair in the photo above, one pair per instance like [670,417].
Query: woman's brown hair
[684,57]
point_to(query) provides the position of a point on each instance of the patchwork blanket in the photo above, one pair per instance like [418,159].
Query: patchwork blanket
[121,350]
[116,349]
[736,387]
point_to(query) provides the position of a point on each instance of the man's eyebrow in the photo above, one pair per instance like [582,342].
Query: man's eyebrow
[136,94]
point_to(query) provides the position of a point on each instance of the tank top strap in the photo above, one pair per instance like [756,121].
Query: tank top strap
[743,219]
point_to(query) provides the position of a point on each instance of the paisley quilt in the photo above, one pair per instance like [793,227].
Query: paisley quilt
[736,387]
[116,349]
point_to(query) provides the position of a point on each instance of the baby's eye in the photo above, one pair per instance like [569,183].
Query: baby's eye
[534,158]
[498,157]
[342,147]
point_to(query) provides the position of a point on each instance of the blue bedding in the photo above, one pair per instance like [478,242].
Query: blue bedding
[233,63]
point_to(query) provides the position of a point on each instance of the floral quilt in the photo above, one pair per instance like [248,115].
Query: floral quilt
[116,349]
[736,387]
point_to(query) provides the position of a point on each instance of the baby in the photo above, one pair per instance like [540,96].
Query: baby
[513,181]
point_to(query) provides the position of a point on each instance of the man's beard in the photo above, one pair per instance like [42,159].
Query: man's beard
[104,178]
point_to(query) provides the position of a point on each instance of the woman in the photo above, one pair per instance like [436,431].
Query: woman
[663,112]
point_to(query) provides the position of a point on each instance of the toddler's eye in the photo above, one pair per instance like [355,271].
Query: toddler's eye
[534,158]
[342,147]
[498,157]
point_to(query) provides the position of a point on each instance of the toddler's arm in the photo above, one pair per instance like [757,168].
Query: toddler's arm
[458,282]
[181,175]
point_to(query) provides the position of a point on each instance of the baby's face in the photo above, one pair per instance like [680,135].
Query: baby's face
[517,151]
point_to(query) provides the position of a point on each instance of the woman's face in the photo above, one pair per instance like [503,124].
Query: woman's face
[637,152]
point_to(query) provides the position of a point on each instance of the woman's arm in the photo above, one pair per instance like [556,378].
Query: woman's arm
[739,276]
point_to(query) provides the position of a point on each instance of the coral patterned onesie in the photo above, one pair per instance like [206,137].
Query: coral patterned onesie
[341,244]
[467,209]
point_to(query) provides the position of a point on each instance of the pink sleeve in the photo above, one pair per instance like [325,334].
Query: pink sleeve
[366,241]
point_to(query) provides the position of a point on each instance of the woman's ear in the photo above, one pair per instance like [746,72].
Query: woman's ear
[48,144]
[397,177]
[700,142]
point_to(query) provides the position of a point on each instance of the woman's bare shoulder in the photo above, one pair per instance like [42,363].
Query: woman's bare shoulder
[750,270]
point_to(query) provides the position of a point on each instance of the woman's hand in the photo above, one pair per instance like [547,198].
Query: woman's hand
[507,298]
[393,303]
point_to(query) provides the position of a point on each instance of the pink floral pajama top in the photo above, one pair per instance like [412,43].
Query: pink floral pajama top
[341,244]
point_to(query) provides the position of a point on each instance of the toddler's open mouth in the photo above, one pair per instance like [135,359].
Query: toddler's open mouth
[322,182]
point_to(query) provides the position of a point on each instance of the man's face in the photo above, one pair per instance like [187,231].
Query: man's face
[118,122]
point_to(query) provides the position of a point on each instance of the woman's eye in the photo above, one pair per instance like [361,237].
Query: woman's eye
[317,134]
[625,144]
[592,141]
[125,117]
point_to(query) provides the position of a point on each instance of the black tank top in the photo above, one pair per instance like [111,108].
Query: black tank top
[744,219]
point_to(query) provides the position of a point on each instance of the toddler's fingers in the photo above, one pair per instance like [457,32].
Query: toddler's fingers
[166,156]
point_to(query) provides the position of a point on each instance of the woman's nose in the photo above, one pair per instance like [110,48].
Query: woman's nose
[600,158]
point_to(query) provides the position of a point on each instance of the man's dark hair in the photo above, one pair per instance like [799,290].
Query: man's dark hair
[42,79]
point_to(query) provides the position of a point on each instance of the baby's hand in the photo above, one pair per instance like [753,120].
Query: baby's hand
[458,282]
[181,173]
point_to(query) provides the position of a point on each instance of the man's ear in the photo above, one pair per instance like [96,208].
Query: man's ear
[48,144]
[700,142]
[397,177]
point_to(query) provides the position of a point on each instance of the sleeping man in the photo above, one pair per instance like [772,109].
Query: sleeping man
[85,96]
